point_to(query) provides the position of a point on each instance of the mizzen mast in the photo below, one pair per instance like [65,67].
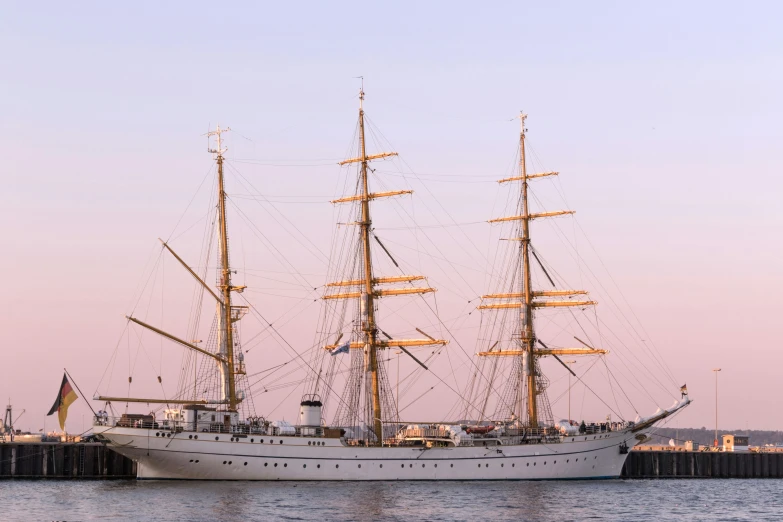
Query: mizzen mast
[225,272]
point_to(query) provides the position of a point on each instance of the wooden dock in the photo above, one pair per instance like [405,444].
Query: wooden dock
[63,460]
[702,464]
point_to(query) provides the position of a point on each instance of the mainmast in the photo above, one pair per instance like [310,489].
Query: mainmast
[369,284]
[367,303]
[225,273]
[528,336]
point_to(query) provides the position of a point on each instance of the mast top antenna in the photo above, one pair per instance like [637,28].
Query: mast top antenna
[217,132]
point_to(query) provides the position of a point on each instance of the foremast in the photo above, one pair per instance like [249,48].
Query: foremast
[526,299]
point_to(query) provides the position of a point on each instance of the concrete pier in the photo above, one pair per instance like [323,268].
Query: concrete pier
[63,460]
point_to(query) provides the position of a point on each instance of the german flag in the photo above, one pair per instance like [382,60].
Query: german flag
[64,399]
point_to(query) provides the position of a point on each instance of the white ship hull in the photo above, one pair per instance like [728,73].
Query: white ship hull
[162,455]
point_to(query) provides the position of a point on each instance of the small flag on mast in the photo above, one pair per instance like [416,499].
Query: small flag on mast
[342,349]
[684,390]
[64,399]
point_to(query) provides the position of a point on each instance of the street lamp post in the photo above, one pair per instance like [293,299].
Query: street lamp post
[569,391]
[716,370]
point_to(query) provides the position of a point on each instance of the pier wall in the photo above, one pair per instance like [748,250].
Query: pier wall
[702,464]
[63,460]
[95,461]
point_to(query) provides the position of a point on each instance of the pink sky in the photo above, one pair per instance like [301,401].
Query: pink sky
[664,124]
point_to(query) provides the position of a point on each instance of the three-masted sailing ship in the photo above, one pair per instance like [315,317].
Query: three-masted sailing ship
[216,435]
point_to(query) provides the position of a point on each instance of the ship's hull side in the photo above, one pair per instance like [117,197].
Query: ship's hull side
[163,455]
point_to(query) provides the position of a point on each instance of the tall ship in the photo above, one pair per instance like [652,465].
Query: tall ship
[212,429]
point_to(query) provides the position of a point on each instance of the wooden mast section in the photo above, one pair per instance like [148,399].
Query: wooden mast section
[371,344]
[225,271]
[525,300]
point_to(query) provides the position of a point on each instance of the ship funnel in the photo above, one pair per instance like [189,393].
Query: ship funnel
[310,411]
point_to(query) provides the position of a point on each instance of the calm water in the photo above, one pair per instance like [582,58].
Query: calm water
[475,501]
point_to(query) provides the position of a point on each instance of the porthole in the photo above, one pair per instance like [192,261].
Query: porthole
[196,461]
[190,436]
[512,465]
[224,462]
[436,465]
[195,437]
[452,465]
[381,465]
[555,462]
[479,465]
[266,464]
[318,466]
[544,463]
[285,465]
[577,460]
[402,465]
[308,443]
[534,463]
[275,464]
[252,440]
[229,462]
[422,465]
[304,465]
[281,442]
[595,457]
[191,460]
[501,464]
[360,465]
[336,465]
[486,465]
[568,460]
[528,464]
[245,463]
[410,465]
[217,438]
[260,441]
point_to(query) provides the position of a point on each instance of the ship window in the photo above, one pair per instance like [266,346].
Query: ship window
[213,417]
[252,440]
[512,465]
[266,464]
[304,465]
[229,462]
[308,442]
[336,465]
[577,460]
[261,441]
[285,465]
[191,460]
[486,465]
[410,465]
[245,463]
[452,465]
[528,464]
[402,465]
[318,466]
[195,436]
[217,438]
[568,460]
[360,465]
[190,436]
[422,465]
[436,465]
[555,462]
[281,442]
[275,464]
[381,465]
[534,463]
[501,465]
[224,462]
[479,465]
[196,461]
